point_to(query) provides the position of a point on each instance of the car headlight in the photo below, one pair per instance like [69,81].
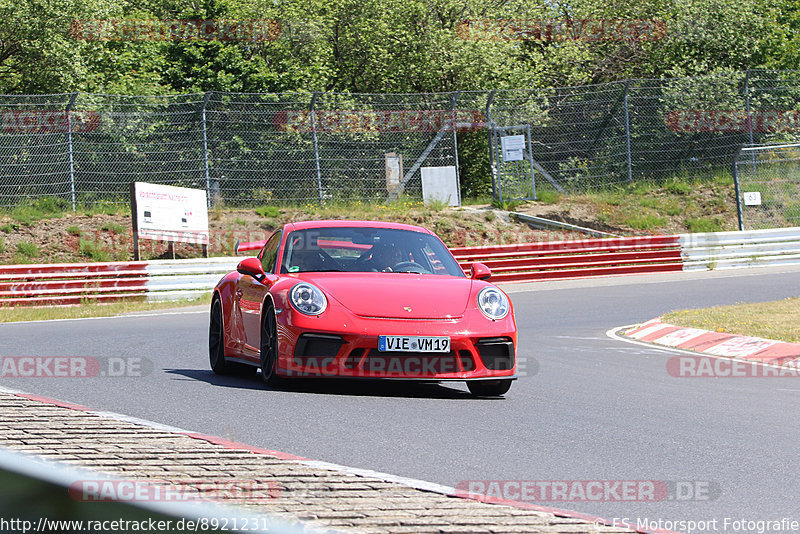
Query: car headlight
[308,299]
[493,303]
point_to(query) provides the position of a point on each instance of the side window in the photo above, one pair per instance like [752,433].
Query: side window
[270,253]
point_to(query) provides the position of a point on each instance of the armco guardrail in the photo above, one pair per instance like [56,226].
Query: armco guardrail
[576,259]
[730,250]
[74,283]
[65,284]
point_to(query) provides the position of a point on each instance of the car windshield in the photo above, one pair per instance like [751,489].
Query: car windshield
[367,250]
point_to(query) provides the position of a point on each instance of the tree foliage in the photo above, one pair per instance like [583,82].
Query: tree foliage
[383,45]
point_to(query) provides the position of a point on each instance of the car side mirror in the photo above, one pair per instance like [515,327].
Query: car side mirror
[479,271]
[251,266]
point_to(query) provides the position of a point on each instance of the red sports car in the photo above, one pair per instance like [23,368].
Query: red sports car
[361,299]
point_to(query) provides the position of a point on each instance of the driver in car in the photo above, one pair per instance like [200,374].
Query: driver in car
[383,258]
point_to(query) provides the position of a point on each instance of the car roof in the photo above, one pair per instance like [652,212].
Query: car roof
[354,224]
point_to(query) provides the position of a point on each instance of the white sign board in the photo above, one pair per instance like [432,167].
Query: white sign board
[167,213]
[440,184]
[513,147]
[394,171]
[752,198]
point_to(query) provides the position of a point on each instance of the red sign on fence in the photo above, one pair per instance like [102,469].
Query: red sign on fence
[721,120]
[48,121]
[359,121]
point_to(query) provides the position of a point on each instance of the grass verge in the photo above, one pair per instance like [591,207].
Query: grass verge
[771,320]
[17,314]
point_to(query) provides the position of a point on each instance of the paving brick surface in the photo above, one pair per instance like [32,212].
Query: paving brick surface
[284,488]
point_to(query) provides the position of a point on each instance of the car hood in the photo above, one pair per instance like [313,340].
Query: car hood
[396,295]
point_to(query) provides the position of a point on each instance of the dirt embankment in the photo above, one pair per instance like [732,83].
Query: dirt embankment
[79,237]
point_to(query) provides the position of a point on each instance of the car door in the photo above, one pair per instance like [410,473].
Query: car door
[252,293]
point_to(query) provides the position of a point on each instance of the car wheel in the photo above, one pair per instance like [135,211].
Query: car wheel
[269,346]
[489,388]
[216,340]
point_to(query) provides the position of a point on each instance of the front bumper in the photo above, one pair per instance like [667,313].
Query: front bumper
[483,352]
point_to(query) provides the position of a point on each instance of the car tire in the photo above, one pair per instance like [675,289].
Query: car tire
[269,346]
[489,388]
[216,340]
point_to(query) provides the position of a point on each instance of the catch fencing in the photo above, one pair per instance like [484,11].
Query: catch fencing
[767,179]
[254,149]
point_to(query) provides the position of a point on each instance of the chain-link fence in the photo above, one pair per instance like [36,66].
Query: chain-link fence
[248,149]
[767,182]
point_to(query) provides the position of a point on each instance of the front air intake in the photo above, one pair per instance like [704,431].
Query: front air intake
[497,353]
[317,350]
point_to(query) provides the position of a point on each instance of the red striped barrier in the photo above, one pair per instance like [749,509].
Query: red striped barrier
[575,259]
[63,284]
[69,284]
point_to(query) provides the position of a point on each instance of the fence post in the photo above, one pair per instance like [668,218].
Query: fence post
[737,190]
[68,111]
[316,145]
[628,131]
[489,131]
[747,106]
[750,138]
[454,123]
[205,147]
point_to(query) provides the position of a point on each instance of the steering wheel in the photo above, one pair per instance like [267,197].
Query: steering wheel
[409,266]
[329,261]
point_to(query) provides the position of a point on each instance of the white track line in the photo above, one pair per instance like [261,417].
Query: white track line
[159,314]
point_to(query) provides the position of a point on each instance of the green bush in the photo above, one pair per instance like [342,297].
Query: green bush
[268,211]
[114,227]
[645,222]
[548,197]
[704,224]
[27,249]
[92,250]
[678,188]
[41,208]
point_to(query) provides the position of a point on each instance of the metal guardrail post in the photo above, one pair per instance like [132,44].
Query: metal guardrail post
[68,111]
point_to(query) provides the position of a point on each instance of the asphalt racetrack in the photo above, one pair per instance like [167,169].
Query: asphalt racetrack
[589,408]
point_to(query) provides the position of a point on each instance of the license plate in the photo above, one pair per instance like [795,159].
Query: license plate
[413,344]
